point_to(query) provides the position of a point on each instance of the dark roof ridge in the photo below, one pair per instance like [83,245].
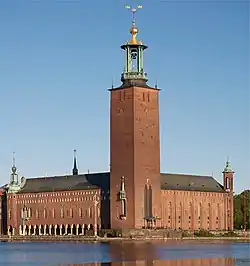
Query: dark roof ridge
[57,176]
[194,175]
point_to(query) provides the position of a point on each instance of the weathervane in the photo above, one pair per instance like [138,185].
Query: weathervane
[133,10]
[134,29]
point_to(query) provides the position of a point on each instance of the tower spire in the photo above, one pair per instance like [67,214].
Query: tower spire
[13,176]
[14,169]
[75,170]
[134,30]
[134,70]
[13,159]
[228,168]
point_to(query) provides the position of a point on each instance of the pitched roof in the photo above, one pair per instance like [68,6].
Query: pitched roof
[64,183]
[190,183]
[102,181]
[4,186]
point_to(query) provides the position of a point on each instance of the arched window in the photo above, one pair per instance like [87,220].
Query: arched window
[45,213]
[199,211]
[218,214]
[71,213]
[37,214]
[61,212]
[208,212]
[90,212]
[190,211]
[180,211]
[170,211]
[29,213]
[227,183]
[80,212]
[53,213]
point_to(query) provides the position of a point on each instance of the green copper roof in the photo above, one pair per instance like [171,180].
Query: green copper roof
[228,168]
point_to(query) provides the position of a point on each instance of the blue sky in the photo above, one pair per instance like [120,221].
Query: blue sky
[58,59]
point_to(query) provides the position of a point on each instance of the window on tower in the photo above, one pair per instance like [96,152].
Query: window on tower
[134,55]
[227,183]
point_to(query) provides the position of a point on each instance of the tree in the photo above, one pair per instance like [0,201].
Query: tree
[240,209]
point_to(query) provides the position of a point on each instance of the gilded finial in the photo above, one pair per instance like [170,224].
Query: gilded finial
[134,30]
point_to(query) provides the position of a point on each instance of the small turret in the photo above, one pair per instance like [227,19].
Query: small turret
[75,170]
[13,186]
[228,175]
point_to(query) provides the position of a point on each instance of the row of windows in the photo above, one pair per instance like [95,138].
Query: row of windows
[59,200]
[123,96]
[199,222]
[214,194]
[191,205]
[56,194]
[68,213]
[189,217]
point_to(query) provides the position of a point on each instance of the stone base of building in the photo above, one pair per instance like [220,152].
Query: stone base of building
[151,233]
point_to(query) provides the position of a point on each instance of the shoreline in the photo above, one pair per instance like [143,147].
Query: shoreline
[82,239]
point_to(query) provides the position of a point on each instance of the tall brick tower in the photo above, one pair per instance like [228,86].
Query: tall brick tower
[134,143]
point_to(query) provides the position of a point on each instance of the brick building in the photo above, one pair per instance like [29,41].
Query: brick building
[181,262]
[134,194]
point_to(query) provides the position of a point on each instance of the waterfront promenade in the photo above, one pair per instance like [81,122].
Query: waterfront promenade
[114,239]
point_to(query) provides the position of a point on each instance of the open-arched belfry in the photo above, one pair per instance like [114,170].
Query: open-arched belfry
[134,194]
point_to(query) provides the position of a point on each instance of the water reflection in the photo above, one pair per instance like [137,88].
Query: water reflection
[131,253]
[184,262]
[135,251]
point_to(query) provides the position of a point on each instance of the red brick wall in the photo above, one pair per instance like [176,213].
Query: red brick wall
[181,262]
[191,210]
[46,208]
[135,152]
[1,213]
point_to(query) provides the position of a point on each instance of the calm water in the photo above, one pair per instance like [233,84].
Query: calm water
[55,254]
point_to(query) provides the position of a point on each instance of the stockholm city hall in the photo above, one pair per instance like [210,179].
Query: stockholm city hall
[134,194]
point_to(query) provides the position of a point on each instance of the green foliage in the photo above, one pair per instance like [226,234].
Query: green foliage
[203,233]
[186,234]
[239,210]
[230,234]
[110,233]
